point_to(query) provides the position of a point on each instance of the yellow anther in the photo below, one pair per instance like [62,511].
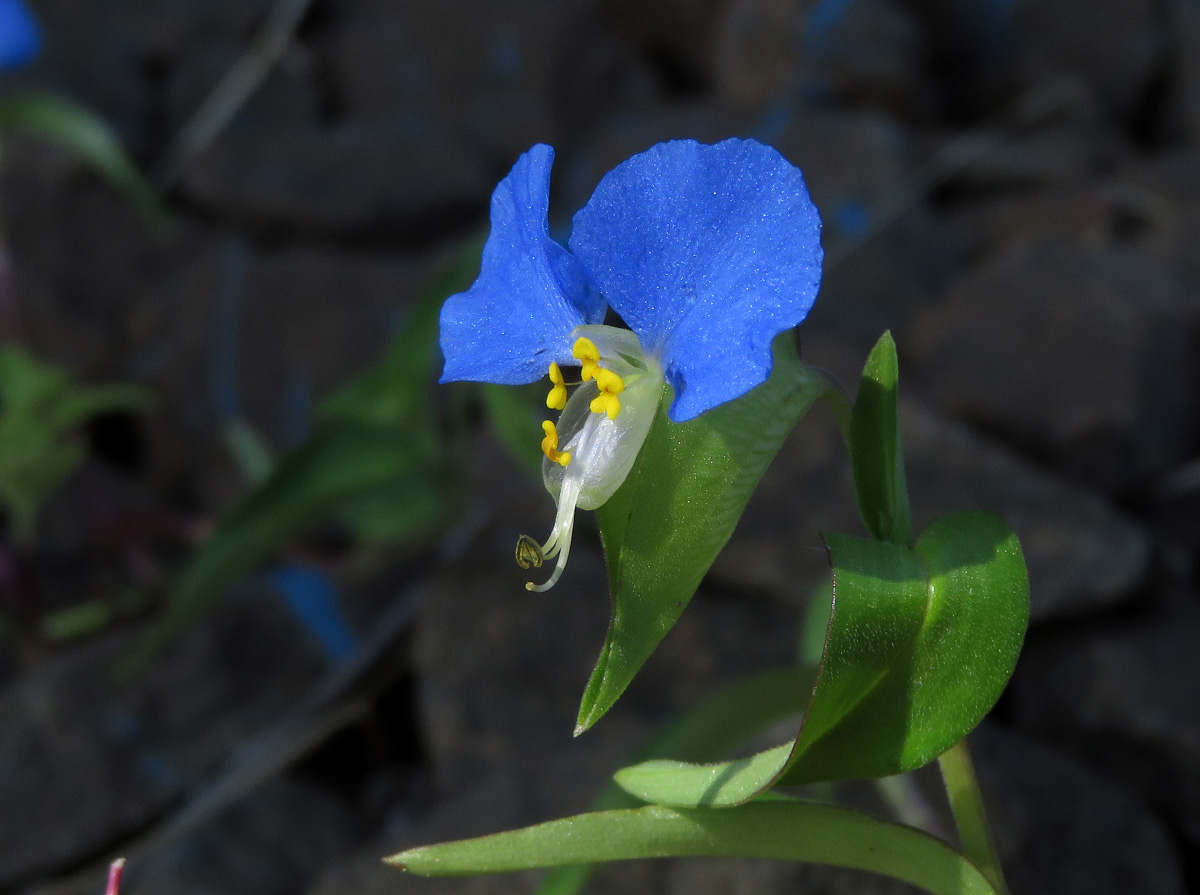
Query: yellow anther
[550,445]
[586,352]
[557,399]
[610,385]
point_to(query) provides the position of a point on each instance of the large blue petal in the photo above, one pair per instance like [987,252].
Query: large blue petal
[530,294]
[20,35]
[708,253]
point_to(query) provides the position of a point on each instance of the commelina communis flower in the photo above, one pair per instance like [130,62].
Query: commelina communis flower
[705,252]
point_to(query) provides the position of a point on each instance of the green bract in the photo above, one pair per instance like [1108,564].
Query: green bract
[664,527]
[921,643]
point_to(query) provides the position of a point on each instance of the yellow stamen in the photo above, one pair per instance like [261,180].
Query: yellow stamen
[610,385]
[557,399]
[586,352]
[550,445]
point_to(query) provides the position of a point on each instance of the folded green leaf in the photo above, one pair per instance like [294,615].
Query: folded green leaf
[781,830]
[722,722]
[665,526]
[374,460]
[920,646]
[74,128]
[336,465]
[875,454]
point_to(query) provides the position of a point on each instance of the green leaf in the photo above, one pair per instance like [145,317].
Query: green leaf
[249,450]
[337,464]
[666,524]
[74,128]
[875,454]
[920,646]
[40,408]
[720,723]
[780,830]
[407,507]
[374,459]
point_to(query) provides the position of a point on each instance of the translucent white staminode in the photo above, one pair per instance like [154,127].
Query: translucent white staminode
[602,450]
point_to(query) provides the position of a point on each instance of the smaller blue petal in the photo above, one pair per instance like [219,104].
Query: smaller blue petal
[708,253]
[530,294]
[20,35]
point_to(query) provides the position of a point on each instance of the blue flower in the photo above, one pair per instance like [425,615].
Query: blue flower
[706,253]
[20,35]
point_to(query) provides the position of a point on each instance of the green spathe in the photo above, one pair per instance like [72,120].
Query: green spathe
[665,525]
[920,646]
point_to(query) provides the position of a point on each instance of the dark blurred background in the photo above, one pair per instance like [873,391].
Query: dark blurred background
[1011,186]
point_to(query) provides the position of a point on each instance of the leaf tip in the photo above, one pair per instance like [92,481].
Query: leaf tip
[397,861]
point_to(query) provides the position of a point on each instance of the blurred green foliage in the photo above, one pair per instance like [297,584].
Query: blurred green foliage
[41,410]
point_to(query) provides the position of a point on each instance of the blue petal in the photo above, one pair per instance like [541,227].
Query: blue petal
[530,294]
[20,35]
[708,253]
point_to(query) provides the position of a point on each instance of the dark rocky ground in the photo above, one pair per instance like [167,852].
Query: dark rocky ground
[1013,188]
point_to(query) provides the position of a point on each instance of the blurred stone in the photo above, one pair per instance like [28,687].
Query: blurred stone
[1082,556]
[1122,700]
[489,804]
[676,36]
[269,843]
[507,705]
[1062,831]
[991,51]
[868,52]
[143,65]
[1078,352]
[367,179]
[1185,22]
[1052,155]
[745,877]
[98,761]
[213,325]
[308,320]
[483,70]
[755,49]
[852,162]
[1165,189]
[1117,45]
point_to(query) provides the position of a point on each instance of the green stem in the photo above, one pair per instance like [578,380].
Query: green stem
[835,396]
[966,803]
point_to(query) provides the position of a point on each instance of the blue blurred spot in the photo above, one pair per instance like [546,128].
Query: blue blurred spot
[20,35]
[314,600]
[124,724]
[504,58]
[774,122]
[223,378]
[852,218]
[413,77]
[821,21]
[997,25]
[159,771]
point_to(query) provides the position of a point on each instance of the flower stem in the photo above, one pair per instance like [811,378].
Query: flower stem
[835,396]
[966,803]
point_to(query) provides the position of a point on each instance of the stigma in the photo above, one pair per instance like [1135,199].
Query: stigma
[592,448]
